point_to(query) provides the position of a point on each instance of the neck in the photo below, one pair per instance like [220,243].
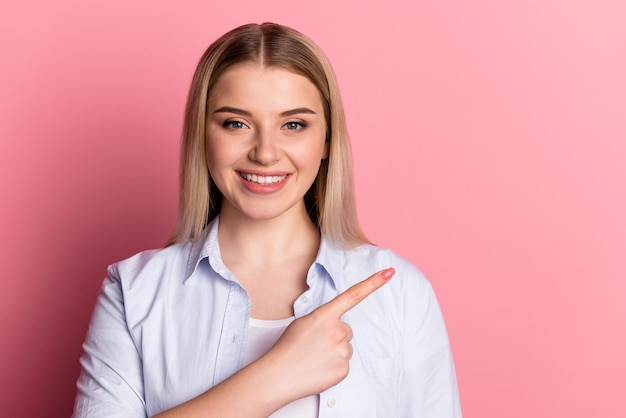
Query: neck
[268,241]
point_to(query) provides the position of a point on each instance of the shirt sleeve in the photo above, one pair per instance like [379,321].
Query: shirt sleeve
[111,381]
[428,375]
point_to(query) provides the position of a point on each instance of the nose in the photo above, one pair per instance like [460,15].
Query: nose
[264,150]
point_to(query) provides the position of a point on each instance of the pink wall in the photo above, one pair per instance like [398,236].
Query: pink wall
[490,146]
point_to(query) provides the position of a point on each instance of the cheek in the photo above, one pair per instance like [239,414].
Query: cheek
[310,158]
[219,154]
[311,151]
[216,164]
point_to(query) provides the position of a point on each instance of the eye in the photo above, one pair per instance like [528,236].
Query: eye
[294,126]
[234,124]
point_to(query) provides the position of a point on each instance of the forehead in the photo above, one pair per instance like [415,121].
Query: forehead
[252,84]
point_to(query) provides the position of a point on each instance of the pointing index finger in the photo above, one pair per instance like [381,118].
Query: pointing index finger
[354,295]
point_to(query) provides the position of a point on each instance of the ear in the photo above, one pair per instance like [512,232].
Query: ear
[326,149]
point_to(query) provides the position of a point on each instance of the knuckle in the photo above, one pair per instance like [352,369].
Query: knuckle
[338,334]
[348,331]
[346,352]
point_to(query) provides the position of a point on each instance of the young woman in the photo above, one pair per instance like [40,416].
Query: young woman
[268,300]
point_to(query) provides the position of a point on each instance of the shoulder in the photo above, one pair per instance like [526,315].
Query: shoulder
[151,267]
[147,281]
[351,265]
[408,293]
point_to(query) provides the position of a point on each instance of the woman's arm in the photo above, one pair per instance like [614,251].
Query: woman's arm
[253,391]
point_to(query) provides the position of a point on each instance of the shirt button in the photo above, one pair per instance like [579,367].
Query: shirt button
[331,402]
[304,300]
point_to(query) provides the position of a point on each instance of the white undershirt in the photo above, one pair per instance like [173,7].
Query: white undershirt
[262,336]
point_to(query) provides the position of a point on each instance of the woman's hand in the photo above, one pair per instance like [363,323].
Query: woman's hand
[314,351]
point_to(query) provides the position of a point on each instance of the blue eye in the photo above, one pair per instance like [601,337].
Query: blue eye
[294,126]
[234,124]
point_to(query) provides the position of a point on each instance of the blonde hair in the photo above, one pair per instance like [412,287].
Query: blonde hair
[330,200]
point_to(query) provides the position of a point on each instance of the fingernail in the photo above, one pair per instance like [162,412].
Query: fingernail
[388,274]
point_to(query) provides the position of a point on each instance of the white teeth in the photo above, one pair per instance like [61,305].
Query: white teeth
[263,179]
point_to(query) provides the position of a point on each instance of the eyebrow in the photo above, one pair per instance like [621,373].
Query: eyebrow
[296,111]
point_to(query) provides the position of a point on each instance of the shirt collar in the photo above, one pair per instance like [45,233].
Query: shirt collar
[330,256]
[330,259]
[206,246]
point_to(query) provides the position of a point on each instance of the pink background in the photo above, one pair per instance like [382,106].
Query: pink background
[490,148]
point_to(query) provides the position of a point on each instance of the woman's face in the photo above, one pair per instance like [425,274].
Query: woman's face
[266,137]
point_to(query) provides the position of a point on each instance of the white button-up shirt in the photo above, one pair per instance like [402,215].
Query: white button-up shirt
[170,324]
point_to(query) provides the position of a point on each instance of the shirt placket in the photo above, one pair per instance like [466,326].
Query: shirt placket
[320,286]
[234,335]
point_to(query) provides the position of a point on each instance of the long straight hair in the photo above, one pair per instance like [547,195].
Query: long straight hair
[330,200]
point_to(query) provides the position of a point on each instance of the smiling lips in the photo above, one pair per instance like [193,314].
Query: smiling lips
[255,178]
[261,184]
